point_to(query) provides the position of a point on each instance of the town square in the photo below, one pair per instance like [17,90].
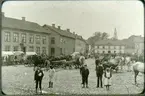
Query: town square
[72,47]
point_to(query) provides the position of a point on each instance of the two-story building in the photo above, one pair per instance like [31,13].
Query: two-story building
[17,33]
[80,44]
[134,45]
[61,41]
[109,46]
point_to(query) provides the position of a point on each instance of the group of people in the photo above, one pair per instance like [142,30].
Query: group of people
[84,71]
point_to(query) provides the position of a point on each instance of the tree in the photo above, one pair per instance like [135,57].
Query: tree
[96,37]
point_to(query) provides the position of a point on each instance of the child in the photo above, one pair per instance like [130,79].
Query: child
[51,76]
[85,74]
[38,78]
[107,79]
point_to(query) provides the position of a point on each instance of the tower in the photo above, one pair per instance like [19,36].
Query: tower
[115,34]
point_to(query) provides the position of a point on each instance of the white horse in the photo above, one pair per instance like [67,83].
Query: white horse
[138,67]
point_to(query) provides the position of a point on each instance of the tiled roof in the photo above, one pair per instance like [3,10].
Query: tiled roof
[23,25]
[61,32]
[110,42]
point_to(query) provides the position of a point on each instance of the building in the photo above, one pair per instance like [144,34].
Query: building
[109,46]
[134,45]
[61,41]
[80,44]
[22,35]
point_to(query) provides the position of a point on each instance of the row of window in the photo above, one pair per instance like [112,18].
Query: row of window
[30,49]
[109,52]
[110,47]
[23,38]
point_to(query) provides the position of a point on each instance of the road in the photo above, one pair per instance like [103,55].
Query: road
[20,80]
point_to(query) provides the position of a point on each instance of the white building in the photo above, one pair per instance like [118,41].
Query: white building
[109,46]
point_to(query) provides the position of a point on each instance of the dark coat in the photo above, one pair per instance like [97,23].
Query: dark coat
[37,77]
[85,72]
[97,62]
[99,70]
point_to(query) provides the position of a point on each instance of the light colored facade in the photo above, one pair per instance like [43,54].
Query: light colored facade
[80,45]
[15,32]
[109,49]
[109,46]
[62,42]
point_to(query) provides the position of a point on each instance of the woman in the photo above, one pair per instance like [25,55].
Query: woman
[107,80]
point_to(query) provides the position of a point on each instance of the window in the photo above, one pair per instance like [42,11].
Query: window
[31,38]
[38,50]
[37,39]
[16,37]
[15,48]
[115,47]
[109,51]
[44,40]
[31,48]
[44,50]
[52,51]
[7,48]
[103,51]
[98,47]
[52,40]
[24,38]
[7,36]
[114,51]
[60,50]
[103,47]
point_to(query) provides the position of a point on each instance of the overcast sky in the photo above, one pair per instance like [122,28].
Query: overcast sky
[82,17]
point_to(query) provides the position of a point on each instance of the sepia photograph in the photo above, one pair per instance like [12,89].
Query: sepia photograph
[72,47]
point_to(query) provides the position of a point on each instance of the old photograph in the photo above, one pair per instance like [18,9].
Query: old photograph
[72,47]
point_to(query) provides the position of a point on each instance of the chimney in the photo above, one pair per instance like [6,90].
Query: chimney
[3,14]
[23,18]
[68,30]
[59,27]
[53,25]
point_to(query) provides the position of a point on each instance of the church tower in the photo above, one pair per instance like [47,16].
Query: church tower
[115,34]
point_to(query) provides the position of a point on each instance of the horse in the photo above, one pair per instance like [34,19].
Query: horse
[138,67]
[113,63]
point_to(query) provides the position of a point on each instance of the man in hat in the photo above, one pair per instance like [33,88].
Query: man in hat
[99,73]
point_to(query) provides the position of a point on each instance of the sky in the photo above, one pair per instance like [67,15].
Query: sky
[82,17]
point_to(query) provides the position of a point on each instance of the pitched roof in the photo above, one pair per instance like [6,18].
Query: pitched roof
[80,38]
[61,32]
[110,42]
[23,25]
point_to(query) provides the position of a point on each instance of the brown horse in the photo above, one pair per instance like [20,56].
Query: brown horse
[138,67]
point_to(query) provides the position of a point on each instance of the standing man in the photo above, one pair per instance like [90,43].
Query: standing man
[99,73]
[85,74]
[38,78]
[97,61]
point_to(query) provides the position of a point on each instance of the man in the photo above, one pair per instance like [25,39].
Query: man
[99,73]
[97,61]
[85,74]
[38,78]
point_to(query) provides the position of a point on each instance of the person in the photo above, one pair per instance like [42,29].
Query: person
[47,64]
[82,59]
[85,74]
[99,73]
[51,76]
[107,80]
[97,61]
[81,69]
[38,76]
